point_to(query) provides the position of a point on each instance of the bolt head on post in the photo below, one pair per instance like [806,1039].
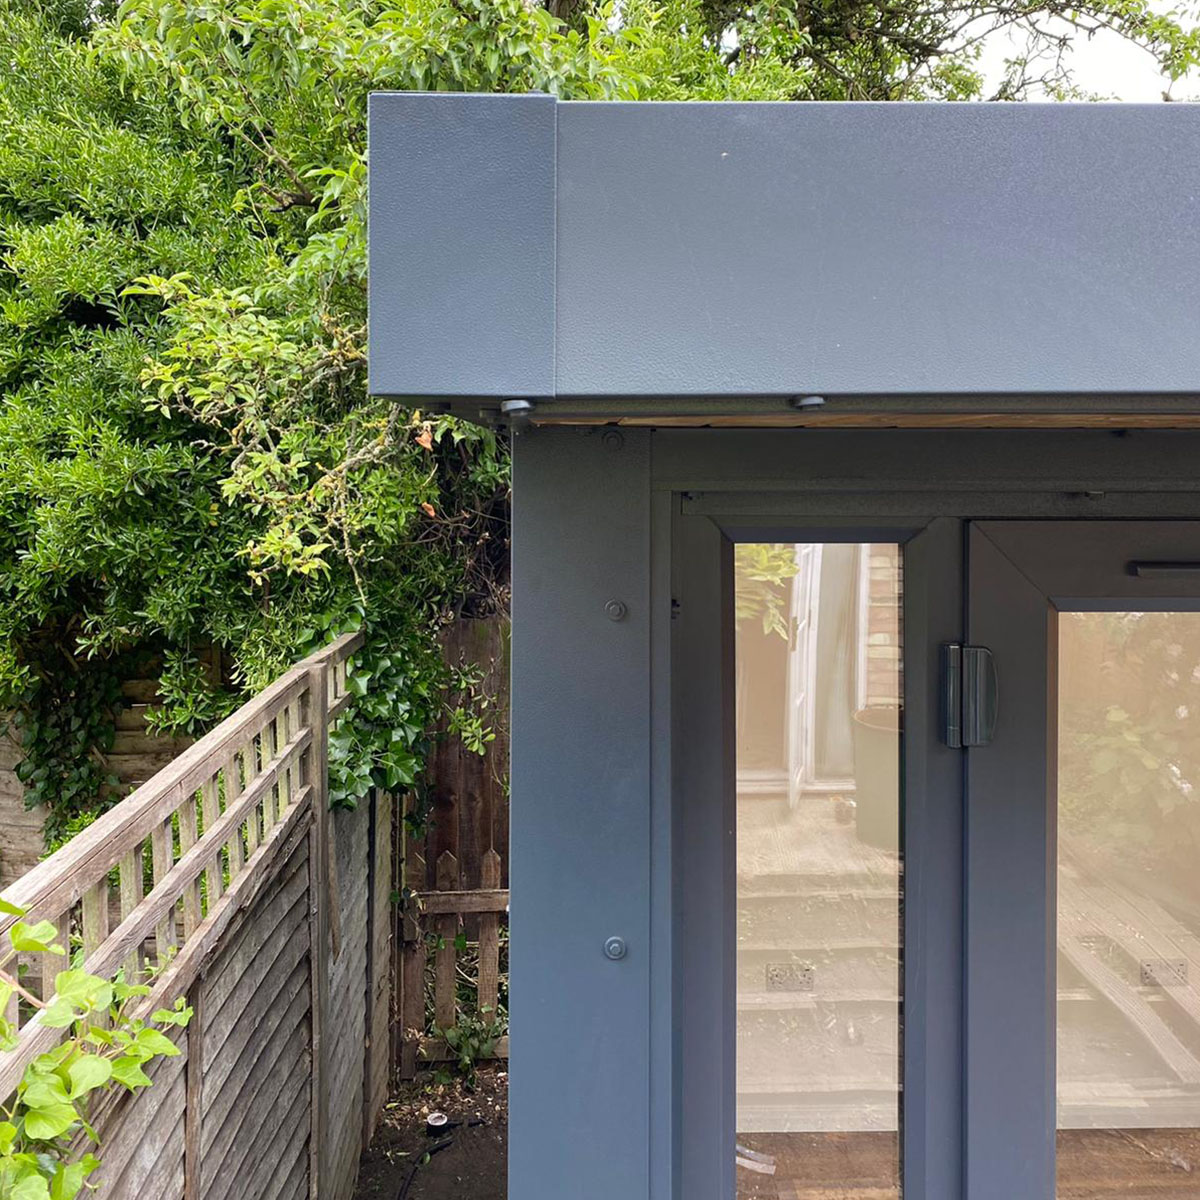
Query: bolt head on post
[615,610]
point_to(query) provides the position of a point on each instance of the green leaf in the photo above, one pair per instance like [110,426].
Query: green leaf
[180,1015]
[68,1181]
[58,1014]
[49,1121]
[83,990]
[88,1073]
[42,1088]
[152,1042]
[127,1070]
[33,939]
[31,1187]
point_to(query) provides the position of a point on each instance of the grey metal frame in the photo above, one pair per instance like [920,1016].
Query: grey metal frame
[932,833]
[618,1066]
[1021,575]
[624,259]
[581,817]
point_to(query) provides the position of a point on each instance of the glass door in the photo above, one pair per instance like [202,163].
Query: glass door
[819,874]
[817,861]
[1083,864]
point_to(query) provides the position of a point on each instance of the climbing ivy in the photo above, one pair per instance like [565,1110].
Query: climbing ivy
[63,726]
[46,1140]
[190,458]
[189,455]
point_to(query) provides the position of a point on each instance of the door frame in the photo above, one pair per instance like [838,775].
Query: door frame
[704,849]
[597,832]
[926,500]
[1021,575]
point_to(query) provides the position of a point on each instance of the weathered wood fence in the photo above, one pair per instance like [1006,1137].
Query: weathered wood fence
[429,964]
[454,874]
[228,873]
[136,755]
[468,792]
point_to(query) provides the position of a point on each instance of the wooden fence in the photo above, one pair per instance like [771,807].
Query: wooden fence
[468,792]
[136,755]
[227,872]
[455,873]
[429,965]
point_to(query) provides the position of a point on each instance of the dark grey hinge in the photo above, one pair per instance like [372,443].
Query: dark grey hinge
[970,695]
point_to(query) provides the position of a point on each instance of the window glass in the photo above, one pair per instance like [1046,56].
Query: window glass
[818,870]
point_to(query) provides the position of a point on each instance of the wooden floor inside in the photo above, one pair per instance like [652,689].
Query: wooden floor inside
[1093,1164]
[822,1166]
[1134,1164]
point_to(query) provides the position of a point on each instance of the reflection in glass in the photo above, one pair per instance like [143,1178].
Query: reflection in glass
[1129,905]
[818,871]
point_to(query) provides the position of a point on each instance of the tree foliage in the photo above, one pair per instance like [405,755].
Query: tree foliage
[1129,754]
[189,455]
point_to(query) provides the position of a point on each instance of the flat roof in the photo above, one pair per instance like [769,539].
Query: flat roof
[696,261]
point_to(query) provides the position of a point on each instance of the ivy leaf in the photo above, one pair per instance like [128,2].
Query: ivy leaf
[150,1041]
[43,1090]
[83,990]
[67,1181]
[88,1073]
[34,939]
[128,1070]
[59,1013]
[31,1187]
[180,1015]
[48,1121]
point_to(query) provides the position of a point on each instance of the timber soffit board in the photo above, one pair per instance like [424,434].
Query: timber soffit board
[627,260]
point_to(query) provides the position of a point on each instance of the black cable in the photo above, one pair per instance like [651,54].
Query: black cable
[434,1149]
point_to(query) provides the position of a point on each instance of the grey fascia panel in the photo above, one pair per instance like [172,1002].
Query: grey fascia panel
[732,251]
[461,244]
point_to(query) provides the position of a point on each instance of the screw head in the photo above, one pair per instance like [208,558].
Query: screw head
[615,610]
[615,948]
[612,439]
[517,408]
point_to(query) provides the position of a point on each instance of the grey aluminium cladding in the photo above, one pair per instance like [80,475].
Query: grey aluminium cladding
[524,247]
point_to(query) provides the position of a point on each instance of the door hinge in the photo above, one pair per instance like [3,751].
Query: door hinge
[970,695]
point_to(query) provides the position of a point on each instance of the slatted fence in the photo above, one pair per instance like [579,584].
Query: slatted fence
[455,871]
[136,754]
[227,873]
[431,965]
[467,791]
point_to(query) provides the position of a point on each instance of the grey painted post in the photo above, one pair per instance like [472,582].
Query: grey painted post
[580,849]
[933,875]
[1010,910]
[705,853]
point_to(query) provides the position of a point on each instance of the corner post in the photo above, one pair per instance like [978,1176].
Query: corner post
[581,952]
[317,719]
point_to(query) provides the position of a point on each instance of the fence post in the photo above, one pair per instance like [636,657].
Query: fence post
[489,942]
[398,914]
[376,1062]
[317,719]
[411,994]
[445,1001]
[193,1112]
